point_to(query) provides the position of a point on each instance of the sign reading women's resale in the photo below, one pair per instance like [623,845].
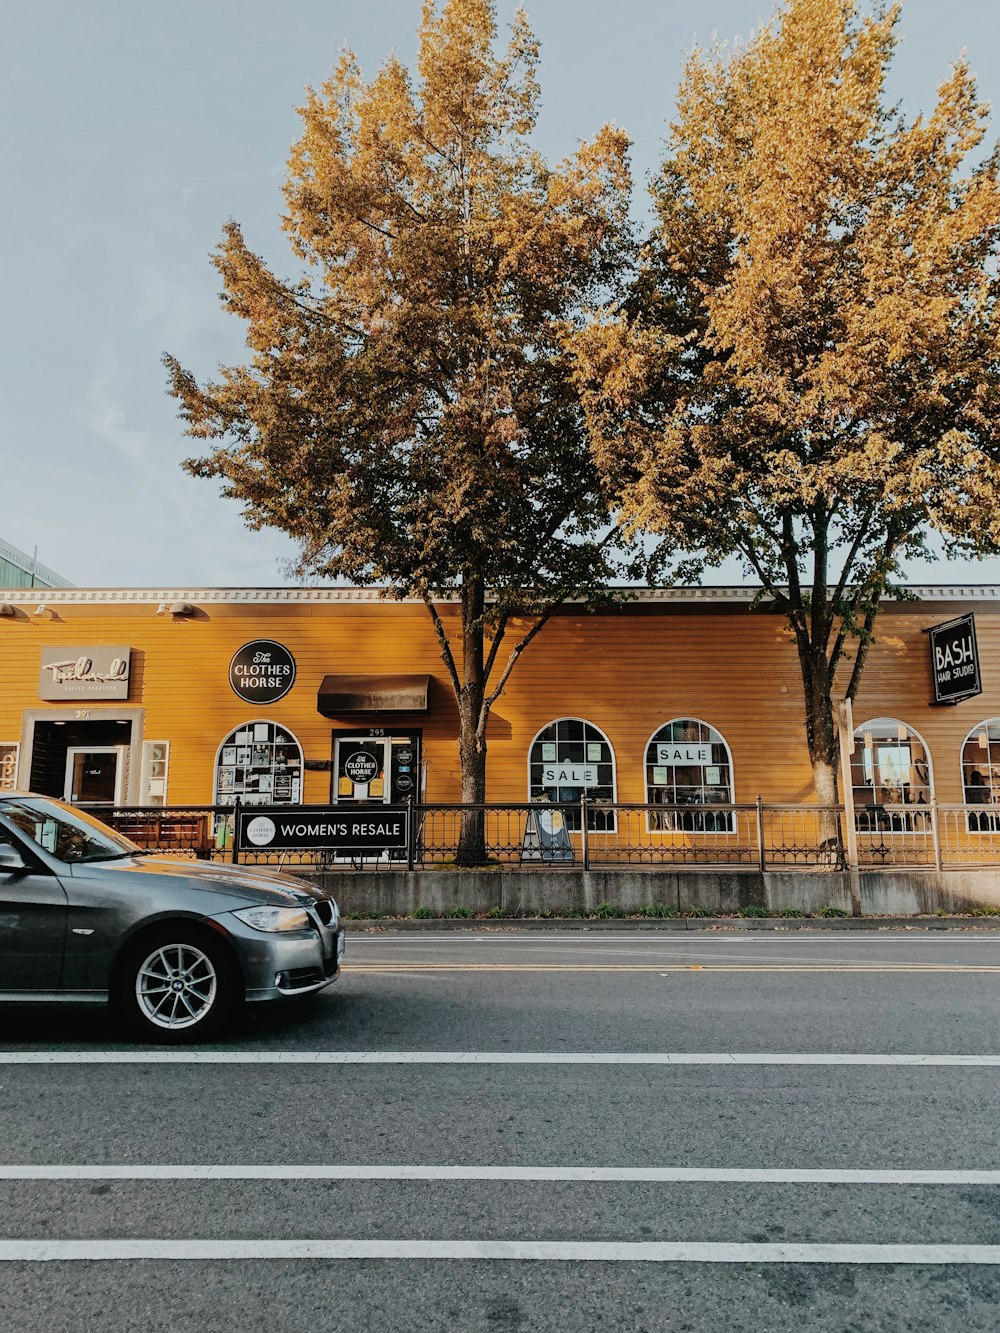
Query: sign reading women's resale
[955,660]
[262,672]
[374,828]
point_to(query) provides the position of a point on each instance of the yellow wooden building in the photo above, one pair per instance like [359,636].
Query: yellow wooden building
[287,695]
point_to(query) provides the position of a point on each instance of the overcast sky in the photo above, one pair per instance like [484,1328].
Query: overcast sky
[131,131]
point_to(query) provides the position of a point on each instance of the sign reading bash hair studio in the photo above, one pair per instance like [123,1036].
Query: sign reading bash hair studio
[955,660]
[262,672]
[96,672]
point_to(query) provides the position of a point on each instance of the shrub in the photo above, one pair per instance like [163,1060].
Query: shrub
[495,913]
[752,909]
[607,910]
[460,914]
[424,913]
[787,911]
[656,909]
[832,911]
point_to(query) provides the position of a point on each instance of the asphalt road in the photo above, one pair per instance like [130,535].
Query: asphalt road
[483,1132]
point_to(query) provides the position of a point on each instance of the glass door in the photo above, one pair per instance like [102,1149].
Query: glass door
[95,775]
[380,767]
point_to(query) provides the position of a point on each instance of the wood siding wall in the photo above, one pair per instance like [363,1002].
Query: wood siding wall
[627,672]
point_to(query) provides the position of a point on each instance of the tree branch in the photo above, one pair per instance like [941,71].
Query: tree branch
[446,653]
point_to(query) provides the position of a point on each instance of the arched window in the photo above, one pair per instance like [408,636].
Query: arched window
[689,763]
[981,775]
[261,763]
[568,758]
[890,770]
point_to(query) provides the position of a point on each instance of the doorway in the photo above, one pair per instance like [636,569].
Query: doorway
[95,775]
[49,742]
[374,766]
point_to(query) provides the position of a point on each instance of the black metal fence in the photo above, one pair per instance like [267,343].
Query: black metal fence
[591,835]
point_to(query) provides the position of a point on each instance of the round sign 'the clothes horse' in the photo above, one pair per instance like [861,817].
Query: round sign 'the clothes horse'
[361,767]
[262,672]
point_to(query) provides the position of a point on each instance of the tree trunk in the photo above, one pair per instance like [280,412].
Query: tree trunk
[472,726]
[823,741]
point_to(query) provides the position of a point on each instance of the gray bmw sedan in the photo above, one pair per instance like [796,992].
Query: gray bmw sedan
[175,945]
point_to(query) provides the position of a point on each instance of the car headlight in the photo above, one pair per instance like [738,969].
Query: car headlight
[274,918]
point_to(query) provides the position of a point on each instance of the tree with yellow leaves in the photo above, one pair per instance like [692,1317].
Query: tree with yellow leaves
[805,372]
[409,411]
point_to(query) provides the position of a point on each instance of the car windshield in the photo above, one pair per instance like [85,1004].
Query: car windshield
[67,834]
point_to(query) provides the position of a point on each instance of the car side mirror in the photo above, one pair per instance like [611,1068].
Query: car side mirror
[11,859]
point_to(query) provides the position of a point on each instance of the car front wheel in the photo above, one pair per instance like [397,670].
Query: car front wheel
[178,986]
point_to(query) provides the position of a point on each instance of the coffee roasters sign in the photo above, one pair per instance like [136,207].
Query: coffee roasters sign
[262,672]
[84,673]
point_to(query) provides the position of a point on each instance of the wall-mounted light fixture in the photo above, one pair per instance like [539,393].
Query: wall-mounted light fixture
[6,609]
[162,609]
[41,610]
[183,609]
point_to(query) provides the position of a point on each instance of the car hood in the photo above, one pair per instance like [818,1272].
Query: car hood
[254,885]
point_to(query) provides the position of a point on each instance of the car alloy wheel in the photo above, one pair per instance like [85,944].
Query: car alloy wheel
[176,986]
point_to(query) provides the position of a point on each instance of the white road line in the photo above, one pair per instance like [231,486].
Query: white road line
[207,1057]
[692,1252]
[640,1174]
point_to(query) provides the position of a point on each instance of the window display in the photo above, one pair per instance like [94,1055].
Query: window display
[568,758]
[688,764]
[261,764]
[981,776]
[8,767]
[890,771]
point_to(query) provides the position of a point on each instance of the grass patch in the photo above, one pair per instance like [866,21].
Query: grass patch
[697,911]
[832,911]
[353,916]
[985,910]
[606,910]
[495,913]
[460,914]
[656,910]
[570,913]
[752,909]
[787,911]
[424,914]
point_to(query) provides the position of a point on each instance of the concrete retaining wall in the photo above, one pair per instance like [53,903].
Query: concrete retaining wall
[884,892]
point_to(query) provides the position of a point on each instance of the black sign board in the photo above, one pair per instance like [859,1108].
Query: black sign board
[262,672]
[349,830]
[955,660]
[361,766]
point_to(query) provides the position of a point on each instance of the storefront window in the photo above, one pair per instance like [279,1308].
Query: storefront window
[568,758]
[981,775]
[261,763]
[890,772]
[8,767]
[688,764]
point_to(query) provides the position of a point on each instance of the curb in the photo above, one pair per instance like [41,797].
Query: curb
[716,923]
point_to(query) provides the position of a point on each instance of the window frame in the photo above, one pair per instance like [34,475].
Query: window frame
[611,825]
[729,832]
[988,821]
[884,827]
[227,740]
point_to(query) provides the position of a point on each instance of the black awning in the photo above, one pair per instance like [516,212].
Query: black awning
[372,694]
